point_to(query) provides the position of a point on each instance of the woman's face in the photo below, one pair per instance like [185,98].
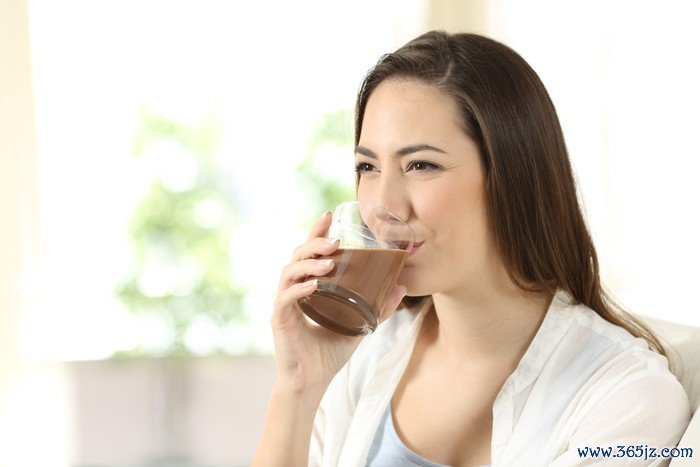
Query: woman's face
[415,160]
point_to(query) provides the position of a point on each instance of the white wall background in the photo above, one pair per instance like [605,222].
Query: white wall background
[268,71]
[621,74]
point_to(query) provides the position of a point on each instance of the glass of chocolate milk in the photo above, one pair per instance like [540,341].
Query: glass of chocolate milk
[374,244]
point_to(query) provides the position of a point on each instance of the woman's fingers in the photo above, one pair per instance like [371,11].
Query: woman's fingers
[393,302]
[315,240]
[303,264]
[315,247]
[284,302]
[295,272]
[320,227]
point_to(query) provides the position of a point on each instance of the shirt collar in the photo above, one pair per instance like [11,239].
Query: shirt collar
[554,326]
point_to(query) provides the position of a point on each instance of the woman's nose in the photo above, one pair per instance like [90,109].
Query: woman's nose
[391,195]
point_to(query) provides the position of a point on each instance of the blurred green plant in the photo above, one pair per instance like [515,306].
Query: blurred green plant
[180,234]
[329,149]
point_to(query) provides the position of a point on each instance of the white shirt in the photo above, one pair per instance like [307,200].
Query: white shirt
[583,382]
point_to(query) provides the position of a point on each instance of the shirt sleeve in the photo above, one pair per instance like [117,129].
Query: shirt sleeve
[331,420]
[316,446]
[645,411]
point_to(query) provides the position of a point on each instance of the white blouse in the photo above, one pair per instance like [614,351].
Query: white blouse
[582,383]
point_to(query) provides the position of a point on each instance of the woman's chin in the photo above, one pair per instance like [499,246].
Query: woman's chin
[412,282]
[414,292]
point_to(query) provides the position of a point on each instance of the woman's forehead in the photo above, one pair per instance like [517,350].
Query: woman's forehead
[410,109]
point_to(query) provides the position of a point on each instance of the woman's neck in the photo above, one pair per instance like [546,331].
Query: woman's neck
[484,328]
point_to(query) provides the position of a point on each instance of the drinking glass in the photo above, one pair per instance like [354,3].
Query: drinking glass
[374,245]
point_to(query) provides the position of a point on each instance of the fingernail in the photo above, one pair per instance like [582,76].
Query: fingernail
[324,262]
[330,240]
[311,283]
[323,216]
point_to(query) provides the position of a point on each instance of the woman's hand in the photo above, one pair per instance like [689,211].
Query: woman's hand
[309,356]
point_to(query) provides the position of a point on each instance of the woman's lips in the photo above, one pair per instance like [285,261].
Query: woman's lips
[403,245]
[416,247]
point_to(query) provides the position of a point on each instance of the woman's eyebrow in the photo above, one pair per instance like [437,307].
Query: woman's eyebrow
[401,152]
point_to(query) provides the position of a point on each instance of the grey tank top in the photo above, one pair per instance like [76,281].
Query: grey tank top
[387,449]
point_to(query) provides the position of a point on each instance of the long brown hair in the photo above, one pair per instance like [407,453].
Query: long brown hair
[532,205]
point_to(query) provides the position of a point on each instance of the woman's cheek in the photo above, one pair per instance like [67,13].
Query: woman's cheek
[448,202]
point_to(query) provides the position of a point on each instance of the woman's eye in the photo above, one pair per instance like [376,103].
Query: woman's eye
[419,166]
[422,166]
[361,167]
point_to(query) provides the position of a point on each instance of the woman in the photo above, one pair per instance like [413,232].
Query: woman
[506,350]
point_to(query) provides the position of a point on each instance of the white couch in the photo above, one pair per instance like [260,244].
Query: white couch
[685,364]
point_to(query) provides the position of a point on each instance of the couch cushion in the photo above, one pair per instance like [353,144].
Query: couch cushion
[683,347]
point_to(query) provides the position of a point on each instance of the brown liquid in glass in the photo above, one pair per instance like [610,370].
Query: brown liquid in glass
[347,300]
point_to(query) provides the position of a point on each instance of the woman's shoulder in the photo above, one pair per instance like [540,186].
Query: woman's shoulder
[631,398]
[590,334]
[613,389]
[596,358]
[620,365]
